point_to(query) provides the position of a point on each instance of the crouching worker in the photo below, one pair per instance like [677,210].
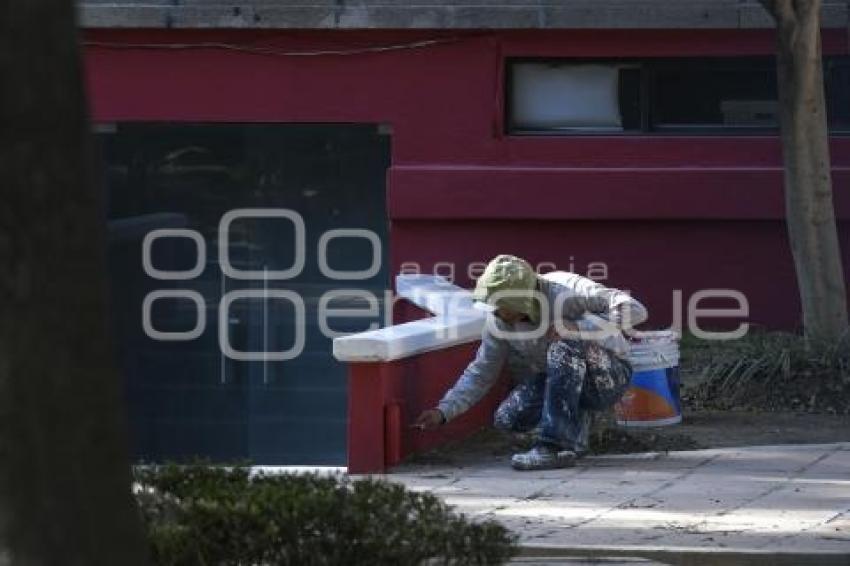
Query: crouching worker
[561,335]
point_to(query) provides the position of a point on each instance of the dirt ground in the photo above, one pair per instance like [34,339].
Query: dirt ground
[698,429]
[719,429]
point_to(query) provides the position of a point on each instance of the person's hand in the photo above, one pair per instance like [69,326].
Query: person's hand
[429,420]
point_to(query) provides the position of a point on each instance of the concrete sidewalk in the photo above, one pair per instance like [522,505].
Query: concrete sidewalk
[773,504]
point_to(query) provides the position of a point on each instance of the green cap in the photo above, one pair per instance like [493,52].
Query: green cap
[509,273]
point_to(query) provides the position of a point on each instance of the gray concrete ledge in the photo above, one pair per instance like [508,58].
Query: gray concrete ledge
[689,556]
[445,14]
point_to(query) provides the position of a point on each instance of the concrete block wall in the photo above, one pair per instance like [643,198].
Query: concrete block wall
[439,14]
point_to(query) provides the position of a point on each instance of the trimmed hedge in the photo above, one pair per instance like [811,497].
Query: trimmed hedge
[201,515]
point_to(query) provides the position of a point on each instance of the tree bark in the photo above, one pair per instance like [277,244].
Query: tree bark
[64,469]
[808,184]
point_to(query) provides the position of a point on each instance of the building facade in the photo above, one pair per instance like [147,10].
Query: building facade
[634,141]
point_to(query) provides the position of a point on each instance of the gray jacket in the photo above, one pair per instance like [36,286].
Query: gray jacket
[601,313]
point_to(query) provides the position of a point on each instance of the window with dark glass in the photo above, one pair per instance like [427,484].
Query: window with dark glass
[728,94]
[725,93]
[187,398]
[837,78]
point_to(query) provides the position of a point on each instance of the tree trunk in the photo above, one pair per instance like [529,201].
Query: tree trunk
[808,184]
[64,470]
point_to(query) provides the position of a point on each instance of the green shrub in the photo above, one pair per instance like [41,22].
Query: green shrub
[201,515]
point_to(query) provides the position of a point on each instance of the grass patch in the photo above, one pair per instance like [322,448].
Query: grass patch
[767,371]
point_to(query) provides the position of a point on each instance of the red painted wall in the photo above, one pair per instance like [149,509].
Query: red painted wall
[385,398]
[664,212]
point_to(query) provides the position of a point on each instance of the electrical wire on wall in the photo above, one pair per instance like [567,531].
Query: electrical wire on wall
[271,51]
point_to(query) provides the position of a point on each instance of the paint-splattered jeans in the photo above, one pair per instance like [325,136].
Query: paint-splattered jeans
[580,377]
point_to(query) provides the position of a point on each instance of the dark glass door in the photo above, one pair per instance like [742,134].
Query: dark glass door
[251,230]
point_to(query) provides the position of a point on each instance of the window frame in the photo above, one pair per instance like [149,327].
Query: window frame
[648,67]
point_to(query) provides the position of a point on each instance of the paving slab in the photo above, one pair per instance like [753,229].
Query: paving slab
[752,505]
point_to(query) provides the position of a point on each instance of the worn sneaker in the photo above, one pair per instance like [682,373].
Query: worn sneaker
[543,457]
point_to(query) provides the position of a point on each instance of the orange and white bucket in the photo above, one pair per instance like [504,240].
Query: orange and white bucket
[652,398]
